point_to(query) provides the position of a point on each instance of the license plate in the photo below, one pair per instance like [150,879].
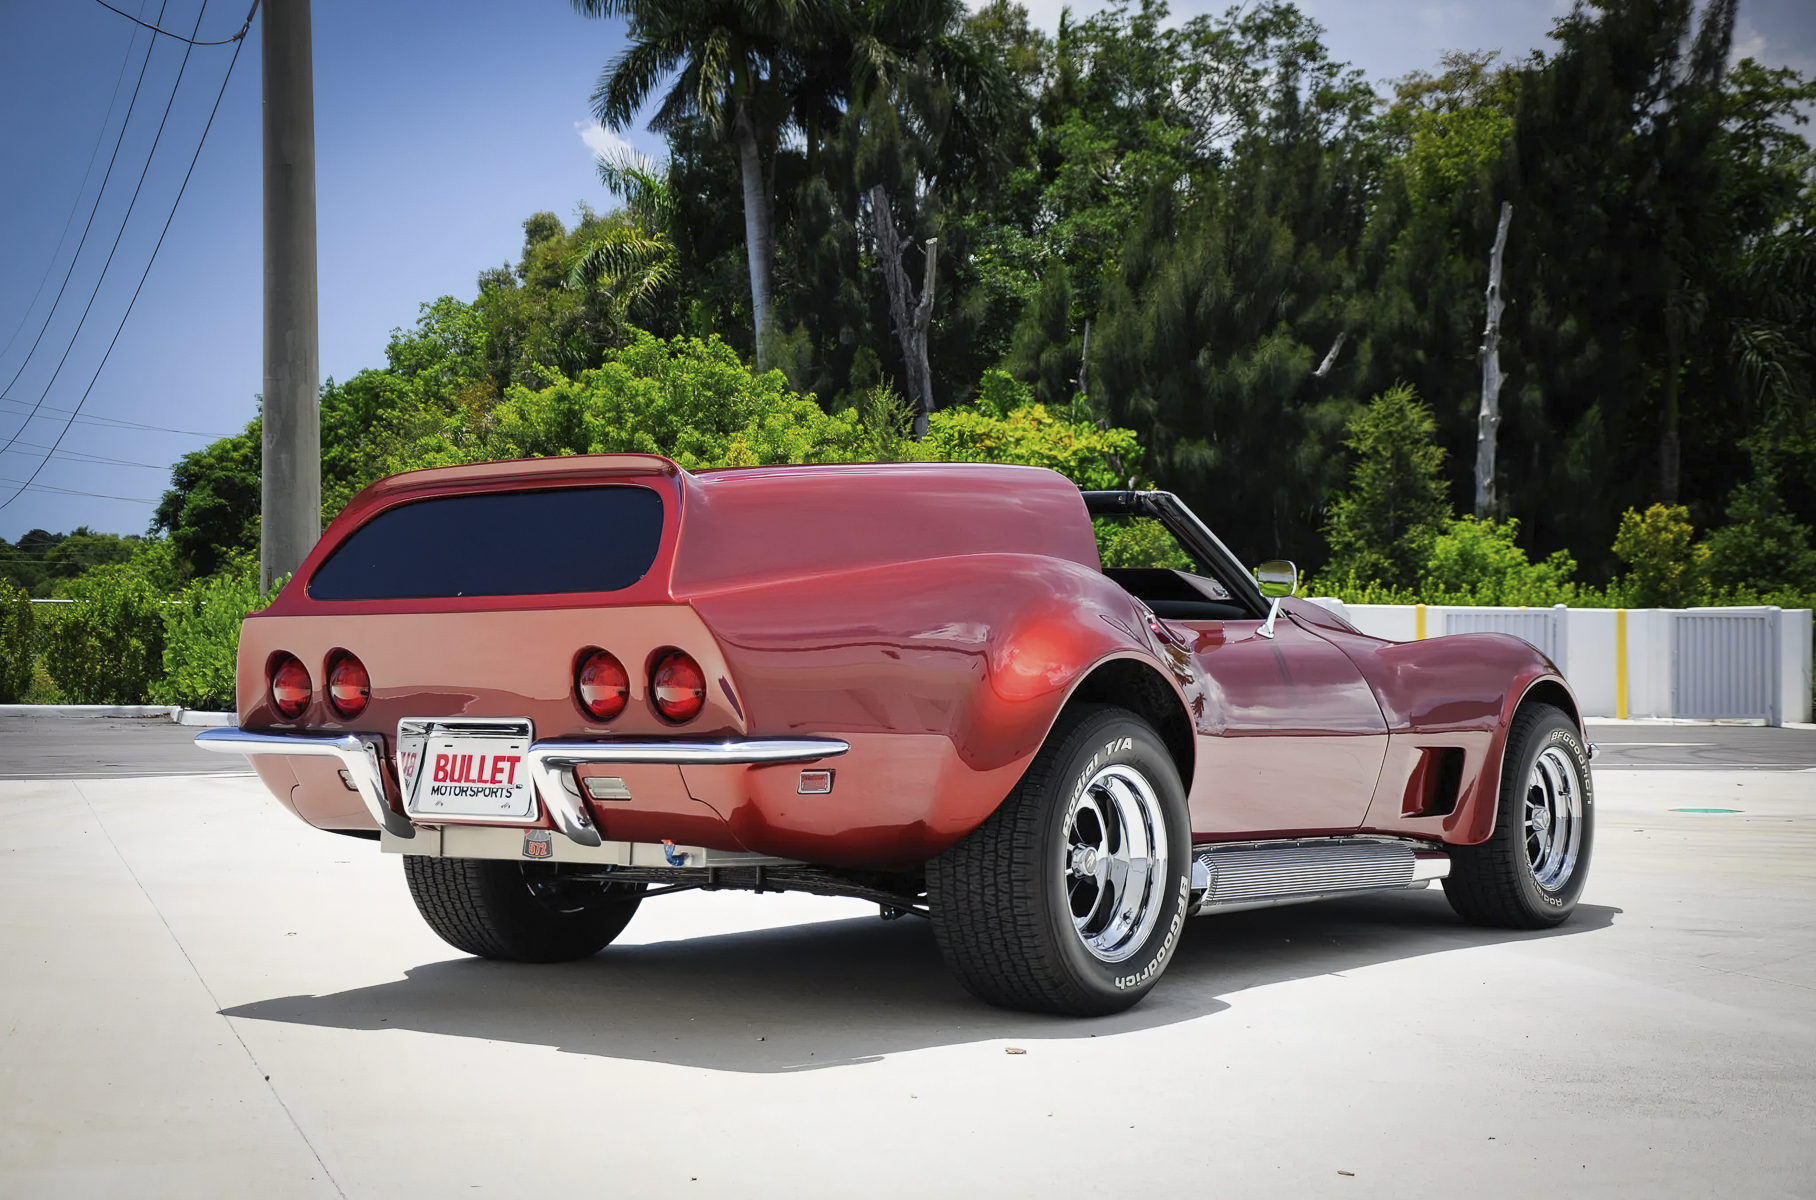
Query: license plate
[473,771]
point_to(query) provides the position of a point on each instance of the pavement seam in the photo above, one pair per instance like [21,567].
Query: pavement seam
[257,1068]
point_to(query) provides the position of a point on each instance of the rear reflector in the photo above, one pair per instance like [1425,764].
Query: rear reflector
[605,787]
[815,783]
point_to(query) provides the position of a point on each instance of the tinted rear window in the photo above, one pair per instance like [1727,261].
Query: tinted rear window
[498,544]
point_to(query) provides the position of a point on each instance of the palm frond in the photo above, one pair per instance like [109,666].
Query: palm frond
[628,264]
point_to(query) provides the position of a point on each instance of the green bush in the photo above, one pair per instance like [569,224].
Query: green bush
[1478,562]
[108,646]
[18,644]
[1665,570]
[1139,542]
[202,638]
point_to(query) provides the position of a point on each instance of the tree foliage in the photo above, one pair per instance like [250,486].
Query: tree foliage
[1382,528]
[108,646]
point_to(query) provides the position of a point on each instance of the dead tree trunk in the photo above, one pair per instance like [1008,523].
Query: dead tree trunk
[911,317]
[1488,422]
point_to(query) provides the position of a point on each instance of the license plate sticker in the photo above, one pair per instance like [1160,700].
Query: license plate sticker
[467,775]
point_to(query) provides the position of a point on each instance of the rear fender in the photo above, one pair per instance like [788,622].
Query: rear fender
[965,663]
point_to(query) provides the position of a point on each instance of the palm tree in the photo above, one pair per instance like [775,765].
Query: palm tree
[727,60]
[630,255]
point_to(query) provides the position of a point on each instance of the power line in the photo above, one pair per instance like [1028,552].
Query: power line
[95,458]
[112,422]
[93,209]
[29,486]
[179,37]
[100,136]
[150,157]
[200,142]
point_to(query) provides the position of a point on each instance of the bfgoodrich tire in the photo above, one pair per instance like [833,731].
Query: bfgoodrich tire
[1529,874]
[1070,898]
[525,912]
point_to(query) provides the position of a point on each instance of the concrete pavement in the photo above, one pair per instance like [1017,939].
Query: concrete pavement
[204,998]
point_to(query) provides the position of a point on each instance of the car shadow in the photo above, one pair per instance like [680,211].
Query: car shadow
[840,992]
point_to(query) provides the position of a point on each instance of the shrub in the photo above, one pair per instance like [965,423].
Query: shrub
[202,639]
[1763,547]
[109,645]
[1478,562]
[1037,436]
[1665,569]
[18,644]
[1139,542]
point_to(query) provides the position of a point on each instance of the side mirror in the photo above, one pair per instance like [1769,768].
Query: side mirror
[1277,577]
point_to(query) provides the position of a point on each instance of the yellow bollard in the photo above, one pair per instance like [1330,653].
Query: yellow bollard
[1620,663]
[1418,622]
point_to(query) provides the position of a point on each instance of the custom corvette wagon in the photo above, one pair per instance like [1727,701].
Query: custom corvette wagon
[559,687]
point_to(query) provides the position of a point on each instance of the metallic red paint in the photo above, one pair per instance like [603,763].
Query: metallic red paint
[937,618]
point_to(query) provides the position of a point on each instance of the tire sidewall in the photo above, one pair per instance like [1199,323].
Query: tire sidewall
[1117,739]
[1553,730]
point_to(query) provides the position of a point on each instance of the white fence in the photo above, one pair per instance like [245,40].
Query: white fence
[1749,664]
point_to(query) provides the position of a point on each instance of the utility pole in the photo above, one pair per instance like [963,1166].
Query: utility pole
[1488,422]
[291,478]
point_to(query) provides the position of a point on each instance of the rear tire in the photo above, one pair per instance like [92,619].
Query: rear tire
[1529,873]
[524,912]
[1070,898]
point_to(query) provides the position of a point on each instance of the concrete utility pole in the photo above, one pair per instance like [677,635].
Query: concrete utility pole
[291,483]
[1488,423]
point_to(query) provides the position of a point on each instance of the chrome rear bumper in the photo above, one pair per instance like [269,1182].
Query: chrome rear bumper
[551,764]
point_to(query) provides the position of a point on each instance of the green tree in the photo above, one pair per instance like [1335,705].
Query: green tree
[1763,548]
[211,510]
[730,63]
[18,644]
[1381,530]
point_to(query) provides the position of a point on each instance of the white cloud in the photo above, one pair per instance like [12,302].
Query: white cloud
[1748,42]
[599,139]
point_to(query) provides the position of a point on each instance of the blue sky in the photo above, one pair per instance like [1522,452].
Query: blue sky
[439,127]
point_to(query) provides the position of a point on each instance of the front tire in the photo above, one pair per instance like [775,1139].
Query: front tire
[523,912]
[1531,870]
[1070,898]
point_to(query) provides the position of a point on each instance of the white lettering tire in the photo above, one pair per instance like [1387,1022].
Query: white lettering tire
[1071,897]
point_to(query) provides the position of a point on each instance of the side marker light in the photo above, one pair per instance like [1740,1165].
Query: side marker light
[815,783]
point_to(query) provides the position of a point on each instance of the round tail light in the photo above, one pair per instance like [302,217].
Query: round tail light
[289,687]
[349,687]
[601,686]
[678,686]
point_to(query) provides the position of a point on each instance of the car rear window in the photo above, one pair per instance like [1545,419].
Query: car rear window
[600,539]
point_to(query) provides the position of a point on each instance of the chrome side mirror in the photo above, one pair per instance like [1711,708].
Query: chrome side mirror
[1277,577]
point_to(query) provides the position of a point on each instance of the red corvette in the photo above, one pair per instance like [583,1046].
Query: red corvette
[560,686]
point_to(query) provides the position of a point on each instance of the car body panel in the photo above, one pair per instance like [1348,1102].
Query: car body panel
[1291,737]
[936,618]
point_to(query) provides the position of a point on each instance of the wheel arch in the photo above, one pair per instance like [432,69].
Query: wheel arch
[1138,686]
[1550,690]
[1544,688]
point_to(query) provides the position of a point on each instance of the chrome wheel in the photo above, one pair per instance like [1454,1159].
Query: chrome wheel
[1553,818]
[1115,862]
